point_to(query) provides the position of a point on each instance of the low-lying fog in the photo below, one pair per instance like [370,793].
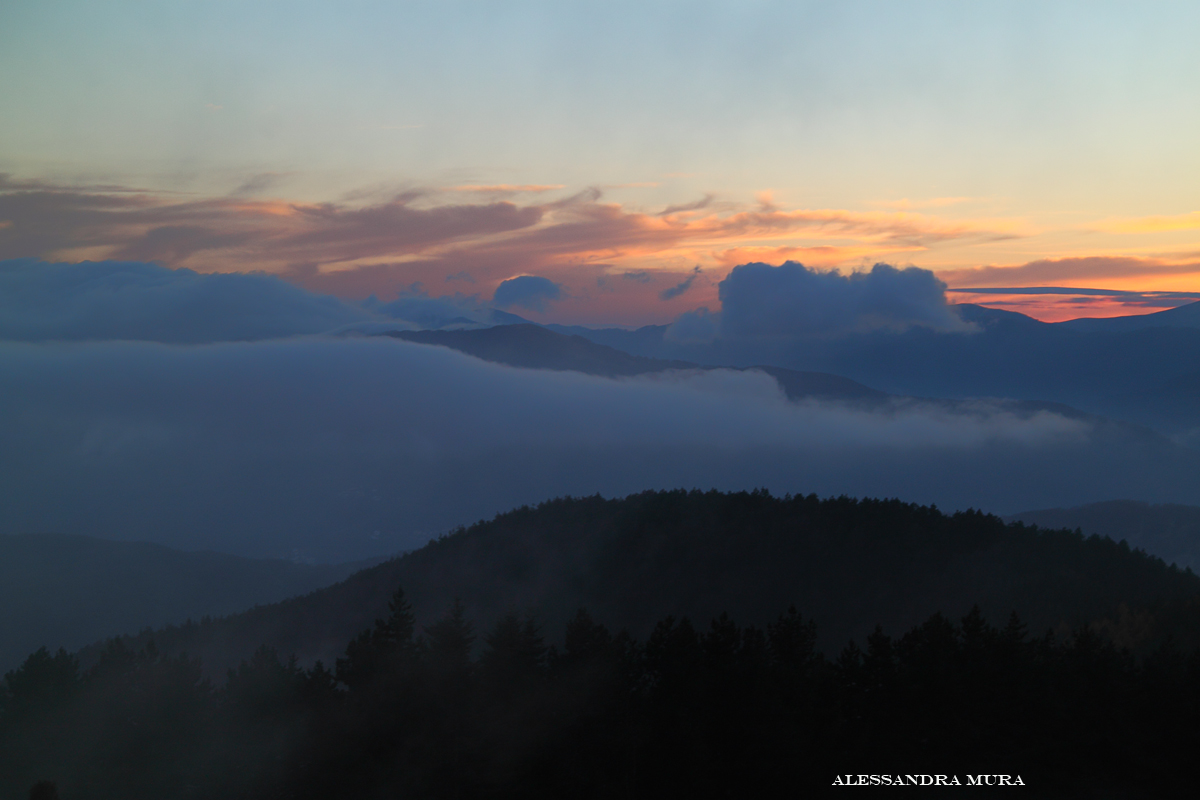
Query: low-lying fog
[334,448]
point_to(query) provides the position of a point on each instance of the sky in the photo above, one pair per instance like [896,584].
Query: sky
[626,156]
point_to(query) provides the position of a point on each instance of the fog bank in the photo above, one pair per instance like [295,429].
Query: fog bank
[344,448]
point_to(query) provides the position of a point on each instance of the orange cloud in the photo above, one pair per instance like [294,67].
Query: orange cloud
[1062,304]
[1088,270]
[1054,309]
[820,256]
[383,245]
[915,230]
[1159,224]
[506,188]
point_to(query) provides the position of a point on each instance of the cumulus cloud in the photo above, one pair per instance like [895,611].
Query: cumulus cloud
[527,291]
[759,300]
[694,327]
[126,300]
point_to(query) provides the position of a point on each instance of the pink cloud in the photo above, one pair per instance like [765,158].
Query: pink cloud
[1059,271]
[506,188]
[379,245]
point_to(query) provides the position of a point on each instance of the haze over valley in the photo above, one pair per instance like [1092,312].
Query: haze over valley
[197,426]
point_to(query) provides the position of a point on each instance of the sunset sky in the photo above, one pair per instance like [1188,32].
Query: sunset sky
[1044,153]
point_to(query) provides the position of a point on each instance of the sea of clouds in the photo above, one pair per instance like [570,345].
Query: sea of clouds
[333,447]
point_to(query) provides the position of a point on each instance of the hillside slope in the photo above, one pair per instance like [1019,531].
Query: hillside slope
[848,564]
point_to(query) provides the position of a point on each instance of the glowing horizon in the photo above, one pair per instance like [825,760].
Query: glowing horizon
[631,155]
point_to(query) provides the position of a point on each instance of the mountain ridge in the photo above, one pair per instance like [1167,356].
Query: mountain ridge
[540,347]
[1185,316]
[1117,370]
[848,564]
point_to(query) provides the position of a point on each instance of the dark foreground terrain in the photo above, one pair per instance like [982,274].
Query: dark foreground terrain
[1090,690]
[715,711]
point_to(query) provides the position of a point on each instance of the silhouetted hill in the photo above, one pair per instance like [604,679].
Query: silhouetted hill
[1169,531]
[536,347]
[1182,317]
[67,591]
[796,384]
[999,320]
[848,564]
[633,341]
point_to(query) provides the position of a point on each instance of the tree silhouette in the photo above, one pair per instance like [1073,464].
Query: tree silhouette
[514,656]
[44,790]
[43,682]
[383,651]
[449,642]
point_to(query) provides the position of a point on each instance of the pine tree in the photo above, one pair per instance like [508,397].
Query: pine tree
[385,650]
[515,654]
[449,642]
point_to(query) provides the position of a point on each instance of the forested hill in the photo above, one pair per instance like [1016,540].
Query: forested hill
[848,564]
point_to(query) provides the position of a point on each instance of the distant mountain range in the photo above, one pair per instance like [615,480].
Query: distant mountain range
[848,564]
[537,347]
[1169,531]
[1182,317]
[68,591]
[541,347]
[1143,369]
